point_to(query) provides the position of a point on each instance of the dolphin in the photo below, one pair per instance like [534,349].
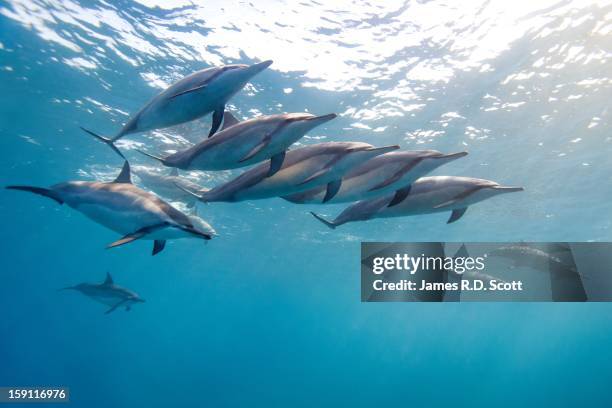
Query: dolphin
[302,169]
[527,256]
[126,209]
[394,171]
[241,144]
[165,185]
[190,98]
[427,195]
[108,293]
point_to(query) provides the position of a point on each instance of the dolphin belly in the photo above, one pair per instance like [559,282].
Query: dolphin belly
[127,222]
[165,112]
[122,221]
[106,299]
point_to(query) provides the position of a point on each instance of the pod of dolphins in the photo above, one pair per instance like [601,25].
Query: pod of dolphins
[379,181]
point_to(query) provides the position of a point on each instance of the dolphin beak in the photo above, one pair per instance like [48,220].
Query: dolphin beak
[67,288]
[508,189]
[323,119]
[382,150]
[314,121]
[260,66]
[452,156]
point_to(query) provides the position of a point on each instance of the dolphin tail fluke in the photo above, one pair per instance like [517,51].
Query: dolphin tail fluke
[40,191]
[329,224]
[108,141]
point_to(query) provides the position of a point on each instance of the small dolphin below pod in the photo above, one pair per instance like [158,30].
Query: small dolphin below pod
[526,255]
[427,195]
[126,209]
[383,174]
[241,144]
[302,169]
[165,185]
[190,98]
[108,294]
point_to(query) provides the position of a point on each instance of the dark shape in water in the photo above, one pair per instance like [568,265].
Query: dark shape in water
[108,294]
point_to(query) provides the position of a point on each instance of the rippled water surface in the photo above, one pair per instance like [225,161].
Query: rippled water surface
[268,313]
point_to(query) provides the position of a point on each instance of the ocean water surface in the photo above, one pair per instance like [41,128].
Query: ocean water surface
[268,313]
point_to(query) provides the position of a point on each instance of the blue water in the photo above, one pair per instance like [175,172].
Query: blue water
[268,313]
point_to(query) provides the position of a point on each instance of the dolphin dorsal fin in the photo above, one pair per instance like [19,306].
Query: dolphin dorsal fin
[109,279]
[229,120]
[174,172]
[125,175]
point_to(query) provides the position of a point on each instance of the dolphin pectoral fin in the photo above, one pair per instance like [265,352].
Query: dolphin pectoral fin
[294,198]
[304,196]
[109,142]
[447,203]
[40,191]
[324,170]
[126,240]
[216,120]
[128,308]
[125,175]
[136,235]
[115,306]
[194,89]
[329,224]
[456,214]
[459,197]
[315,176]
[400,195]
[229,120]
[158,246]
[258,148]
[332,189]
[387,182]
[173,172]
[276,162]
[397,176]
